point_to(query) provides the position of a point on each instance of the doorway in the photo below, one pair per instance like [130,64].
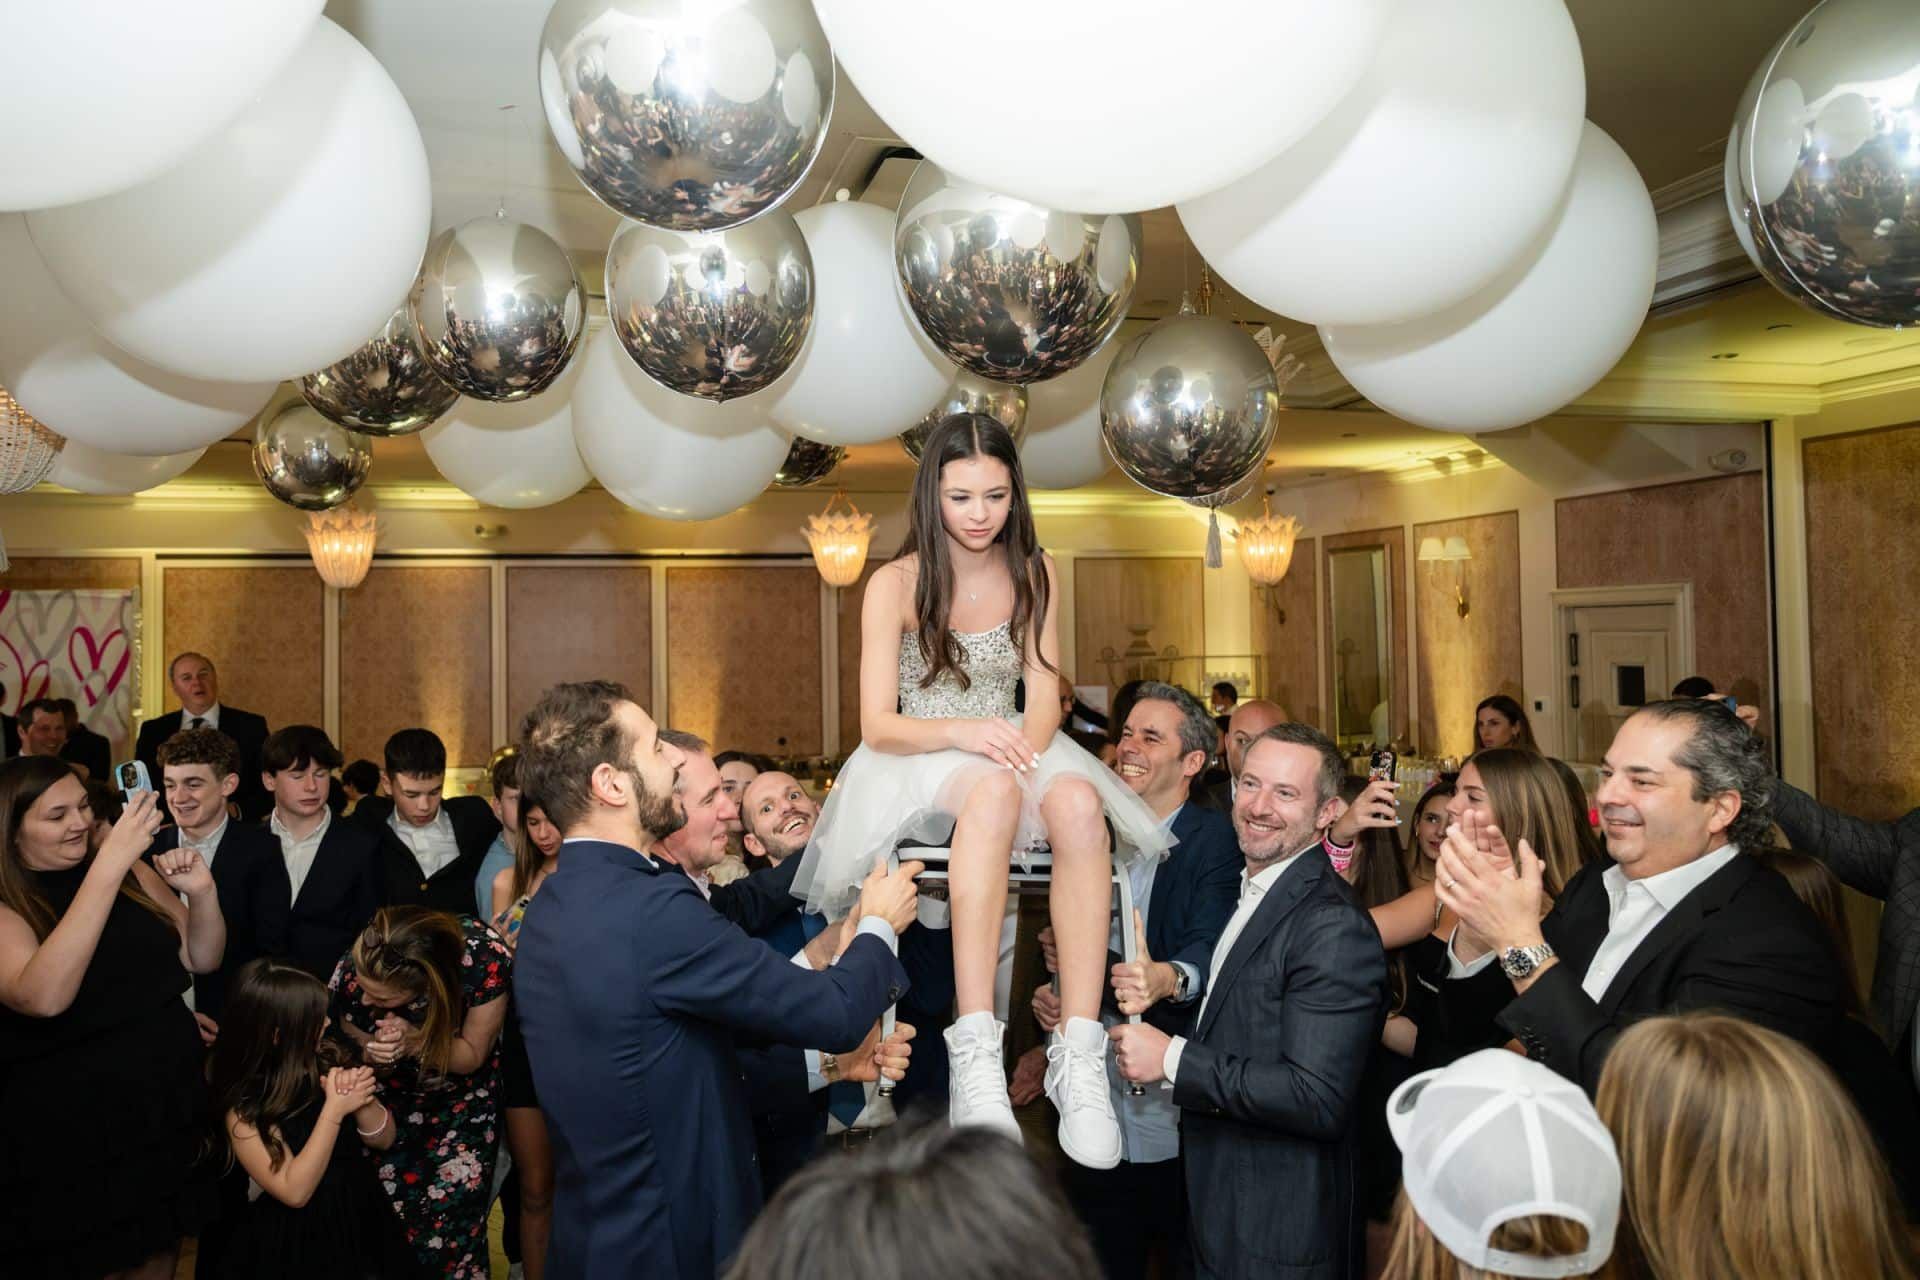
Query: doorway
[1619,649]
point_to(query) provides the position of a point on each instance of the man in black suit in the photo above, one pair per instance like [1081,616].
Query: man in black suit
[200,769]
[1183,903]
[333,867]
[84,746]
[43,730]
[197,686]
[1680,917]
[430,847]
[1267,1081]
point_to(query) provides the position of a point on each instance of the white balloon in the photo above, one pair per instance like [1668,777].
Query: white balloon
[275,248]
[1103,106]
[1427,180]
[87,389]
[83,468]
[867,370]
[512,455]
[1064,448]
[666,454]
[1539,336]
[102,94]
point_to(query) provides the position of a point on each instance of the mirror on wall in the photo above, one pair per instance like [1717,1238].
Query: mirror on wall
[1362,654]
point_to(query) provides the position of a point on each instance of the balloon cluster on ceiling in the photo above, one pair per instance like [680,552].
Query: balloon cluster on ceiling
[1416,180]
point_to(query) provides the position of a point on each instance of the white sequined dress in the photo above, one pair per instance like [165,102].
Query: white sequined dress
[880,798]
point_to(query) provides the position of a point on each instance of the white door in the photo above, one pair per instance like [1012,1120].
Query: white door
[1619,658]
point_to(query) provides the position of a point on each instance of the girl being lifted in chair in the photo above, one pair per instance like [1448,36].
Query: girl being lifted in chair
[963,613]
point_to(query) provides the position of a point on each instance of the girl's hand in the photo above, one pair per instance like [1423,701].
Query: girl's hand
[998,740]
[132,834]
[347,1090]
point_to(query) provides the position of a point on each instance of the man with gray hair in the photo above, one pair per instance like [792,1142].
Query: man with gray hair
[1682,916]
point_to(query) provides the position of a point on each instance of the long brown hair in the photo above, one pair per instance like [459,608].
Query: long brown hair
[23,780]
[962,436]
[1741,1156]
[1814,883]
[267,1060]
[1530,803]
[527,858]
[1416,1254]
[420,952]
[1514,713]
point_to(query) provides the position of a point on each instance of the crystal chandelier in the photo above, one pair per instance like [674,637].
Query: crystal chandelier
[839,542]
[1266,545]
[341,541]
[27,448]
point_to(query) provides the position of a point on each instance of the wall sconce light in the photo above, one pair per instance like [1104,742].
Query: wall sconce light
[1454,551]
[341,543]
[1266,549]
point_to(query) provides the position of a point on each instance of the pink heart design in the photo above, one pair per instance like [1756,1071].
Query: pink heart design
[97,656]
[40,671]
[45,616]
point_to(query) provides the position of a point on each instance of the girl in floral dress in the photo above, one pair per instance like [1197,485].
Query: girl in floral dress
[420,998]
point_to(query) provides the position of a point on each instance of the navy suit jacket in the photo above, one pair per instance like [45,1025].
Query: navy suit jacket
[250,879]
[630,989]
[1269,1081]
[1194,893]
[341,892]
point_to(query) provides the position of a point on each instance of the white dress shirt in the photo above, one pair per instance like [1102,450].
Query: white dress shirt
[432,846]
[299,851]
[208,847]
[209,719]
[1251,892]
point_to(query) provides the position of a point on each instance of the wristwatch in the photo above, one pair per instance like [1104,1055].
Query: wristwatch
[1518,962]
[1180,982]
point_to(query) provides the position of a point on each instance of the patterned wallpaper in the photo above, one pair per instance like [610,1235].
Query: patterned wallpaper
[743,656]
[264,629]
[572,622]
[415,649]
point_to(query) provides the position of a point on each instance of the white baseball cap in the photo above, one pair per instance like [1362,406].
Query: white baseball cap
[1496,1137]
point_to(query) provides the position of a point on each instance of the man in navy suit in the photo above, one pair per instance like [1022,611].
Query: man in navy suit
[333,867]
[1267,1079]
[631,988]
[431,846]
[197,686]
[1182,904]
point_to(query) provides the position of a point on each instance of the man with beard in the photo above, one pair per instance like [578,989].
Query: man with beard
[1268,1078]
[632,989]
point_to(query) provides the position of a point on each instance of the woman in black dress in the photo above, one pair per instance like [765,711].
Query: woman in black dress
[284,1095]
[102,1100]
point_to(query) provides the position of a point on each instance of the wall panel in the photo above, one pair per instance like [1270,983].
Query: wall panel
[1114,595]
[416,645]
[847,603]
[1462,660]
[1394,539]
[1292,647]
[264,628]
[577,622]
[743,657]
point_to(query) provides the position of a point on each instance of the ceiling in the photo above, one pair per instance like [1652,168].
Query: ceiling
[1662,78]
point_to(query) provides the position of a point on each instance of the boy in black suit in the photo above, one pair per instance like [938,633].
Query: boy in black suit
[333,868]
[430,847]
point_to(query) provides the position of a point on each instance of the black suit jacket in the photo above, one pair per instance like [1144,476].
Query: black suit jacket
[1740,943]
[342,891]
[449,889]
[10,735]
[249,733]
[1881,860]
[85,747]
[1216,794]
[1268,1082]
[250,879]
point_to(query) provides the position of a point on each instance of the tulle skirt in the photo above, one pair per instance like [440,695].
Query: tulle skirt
[880,799]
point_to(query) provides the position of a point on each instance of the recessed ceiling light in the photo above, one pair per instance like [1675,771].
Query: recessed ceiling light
[1725,355]
[1349,435]
[1775,328]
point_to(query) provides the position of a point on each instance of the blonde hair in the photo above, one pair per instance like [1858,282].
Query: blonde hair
[420,952]
[1742,1157]
[1530,802]
[1416,1254]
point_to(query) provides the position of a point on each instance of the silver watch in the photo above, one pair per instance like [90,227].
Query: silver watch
[1518,962]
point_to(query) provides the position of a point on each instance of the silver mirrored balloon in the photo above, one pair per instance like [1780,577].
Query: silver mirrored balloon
[1823,164]
[808,462]
[498,309]
[1189,407]
[1007,289]
[385,388]
[1231,494]
[307,461]
[971,394]
[715,314]
[693,117]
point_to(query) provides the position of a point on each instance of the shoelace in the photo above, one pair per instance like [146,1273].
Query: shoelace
[1086,1076]
[973,1074]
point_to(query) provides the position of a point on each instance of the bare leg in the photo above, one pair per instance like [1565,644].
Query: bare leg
[977,886]
[533,1156]
[1082,890]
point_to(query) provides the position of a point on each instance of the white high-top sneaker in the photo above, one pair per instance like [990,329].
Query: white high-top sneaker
[978,1090]
[1077,1087]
